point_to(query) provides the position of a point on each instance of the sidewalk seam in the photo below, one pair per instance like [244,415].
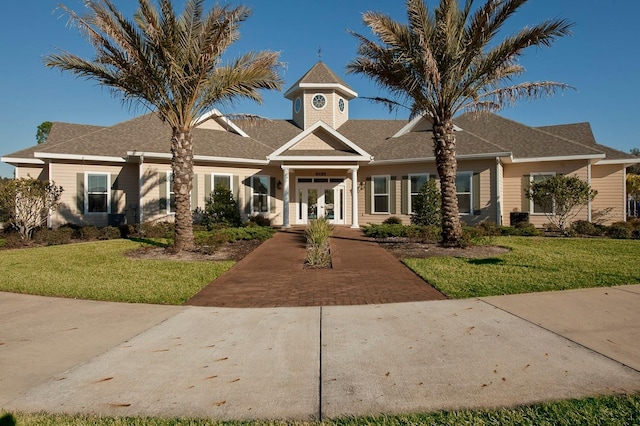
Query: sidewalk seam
[560,335]
[320,368]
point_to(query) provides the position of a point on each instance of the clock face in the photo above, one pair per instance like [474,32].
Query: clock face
[319,101]
[298,104]
[341,105]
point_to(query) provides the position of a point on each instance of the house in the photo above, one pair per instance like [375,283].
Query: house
[318,163]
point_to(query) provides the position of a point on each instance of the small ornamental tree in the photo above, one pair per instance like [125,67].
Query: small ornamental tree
[221,209]
[426,205]
[28,203]
[562,198]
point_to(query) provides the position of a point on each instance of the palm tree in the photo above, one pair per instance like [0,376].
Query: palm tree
[171,64]
[446,62]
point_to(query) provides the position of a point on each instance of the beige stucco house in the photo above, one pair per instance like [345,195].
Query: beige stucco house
[318,163]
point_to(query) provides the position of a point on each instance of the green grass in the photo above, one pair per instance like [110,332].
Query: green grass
[101,271]
[605,410]
[535,264]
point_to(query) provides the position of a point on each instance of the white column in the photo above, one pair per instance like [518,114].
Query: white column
[354,198]
[285,198]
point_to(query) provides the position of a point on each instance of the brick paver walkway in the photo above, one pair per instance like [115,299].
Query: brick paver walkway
[273,275]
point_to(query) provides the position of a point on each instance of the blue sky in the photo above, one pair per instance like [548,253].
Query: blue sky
[601,59]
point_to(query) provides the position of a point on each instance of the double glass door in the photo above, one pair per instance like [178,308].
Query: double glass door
[318,200]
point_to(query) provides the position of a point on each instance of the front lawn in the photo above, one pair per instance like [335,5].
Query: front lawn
[535,264]
[101,271]
[604,410]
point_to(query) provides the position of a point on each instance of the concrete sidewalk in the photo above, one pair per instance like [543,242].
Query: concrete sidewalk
[72,356]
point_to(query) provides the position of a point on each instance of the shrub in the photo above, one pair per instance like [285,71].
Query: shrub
[489,228]
[109,233]
[384,231]
[527,230]
[259,220]
[156,230]
[423,234]
[426,205]
[620,230]
[393,220]
[584,227]
[89,233]
[53,237]
[221,209]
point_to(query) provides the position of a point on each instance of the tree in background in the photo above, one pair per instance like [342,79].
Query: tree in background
[43,131]
[171,64]
[447,61]
[426,205]
[633,191]
[635,169]
[561,198]
[28,203]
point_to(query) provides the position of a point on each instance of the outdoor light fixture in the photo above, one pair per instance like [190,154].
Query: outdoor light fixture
[279,185]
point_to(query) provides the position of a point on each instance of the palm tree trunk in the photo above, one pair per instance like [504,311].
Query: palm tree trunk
[445,153]
[182,165]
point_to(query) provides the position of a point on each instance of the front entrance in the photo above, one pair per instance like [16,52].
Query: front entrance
[320,197]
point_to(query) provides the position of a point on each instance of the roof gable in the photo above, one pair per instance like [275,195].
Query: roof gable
[320,141]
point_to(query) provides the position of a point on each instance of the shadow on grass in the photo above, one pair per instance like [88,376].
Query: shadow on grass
[486,261]
[150,242]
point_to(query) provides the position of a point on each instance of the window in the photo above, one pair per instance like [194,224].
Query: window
[260,197]
[97,199]
[221,180]
[464,191]
[536,208]
[171,195]
[381,194]
[416,182]
[318,101]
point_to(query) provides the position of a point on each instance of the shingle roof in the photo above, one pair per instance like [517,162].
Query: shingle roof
[481,134]
[320,73]
[523,141]
[581,132]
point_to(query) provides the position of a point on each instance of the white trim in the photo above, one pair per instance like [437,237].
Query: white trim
[57,156]
[471,200]
[340,87]
[559,158]
[268,194]
[169,180]
[409,192]
[387,193]
[589,182]
[531,203]
[488,156]
[19,160]
[165,156]
[623,161]
[140,189]
[317,158]
[499,191]
[321,166]
[320,124]
[222,120]
[407,128]
[86,192]
[212,182]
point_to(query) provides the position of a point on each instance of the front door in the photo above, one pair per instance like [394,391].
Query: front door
[317,200]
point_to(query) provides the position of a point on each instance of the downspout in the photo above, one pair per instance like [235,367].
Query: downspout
[140,188]
[50,216]
[498,194]
[589,182]
[625,203]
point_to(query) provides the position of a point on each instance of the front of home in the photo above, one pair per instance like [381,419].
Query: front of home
[319,163]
